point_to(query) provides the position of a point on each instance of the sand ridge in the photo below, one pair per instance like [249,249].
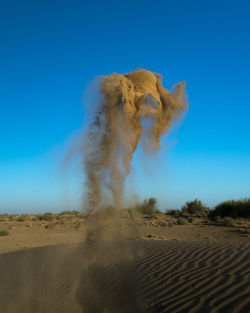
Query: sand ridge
[170,276]
[202,266]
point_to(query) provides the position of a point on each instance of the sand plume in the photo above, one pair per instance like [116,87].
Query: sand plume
[133,107]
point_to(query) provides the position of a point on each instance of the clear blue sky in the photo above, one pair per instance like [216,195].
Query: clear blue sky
[50,50]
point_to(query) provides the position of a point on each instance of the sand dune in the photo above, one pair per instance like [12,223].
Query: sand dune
[169,276]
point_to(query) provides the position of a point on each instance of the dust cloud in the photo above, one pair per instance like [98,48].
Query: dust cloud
[133,108]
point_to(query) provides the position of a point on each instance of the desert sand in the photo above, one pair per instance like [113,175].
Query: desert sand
[199,267]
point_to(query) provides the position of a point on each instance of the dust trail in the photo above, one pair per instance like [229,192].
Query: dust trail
[133,107]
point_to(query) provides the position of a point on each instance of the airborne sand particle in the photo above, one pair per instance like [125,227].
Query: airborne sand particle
[133,107]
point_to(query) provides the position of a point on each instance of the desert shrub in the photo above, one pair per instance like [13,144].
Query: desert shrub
[67,212]
[173,212]
[229,221]
[46,217]
[170,224]
[149,206]
[191,219]
[244,231]
[232,208]
[218,219]
[182,221]
[21,218]
[195,207]
[4,233]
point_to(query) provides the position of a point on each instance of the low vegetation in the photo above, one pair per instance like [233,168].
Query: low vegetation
[173,212]
[182,221]
[229,221]
[191,219]
[4,233]
[74,212]
[48,217]
[232,208]
[21,218]
[195,207]
[149,207]
[229,213]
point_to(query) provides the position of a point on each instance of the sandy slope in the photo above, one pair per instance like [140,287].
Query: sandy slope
[168,276]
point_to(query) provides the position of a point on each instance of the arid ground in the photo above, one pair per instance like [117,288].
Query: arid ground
[196,266]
